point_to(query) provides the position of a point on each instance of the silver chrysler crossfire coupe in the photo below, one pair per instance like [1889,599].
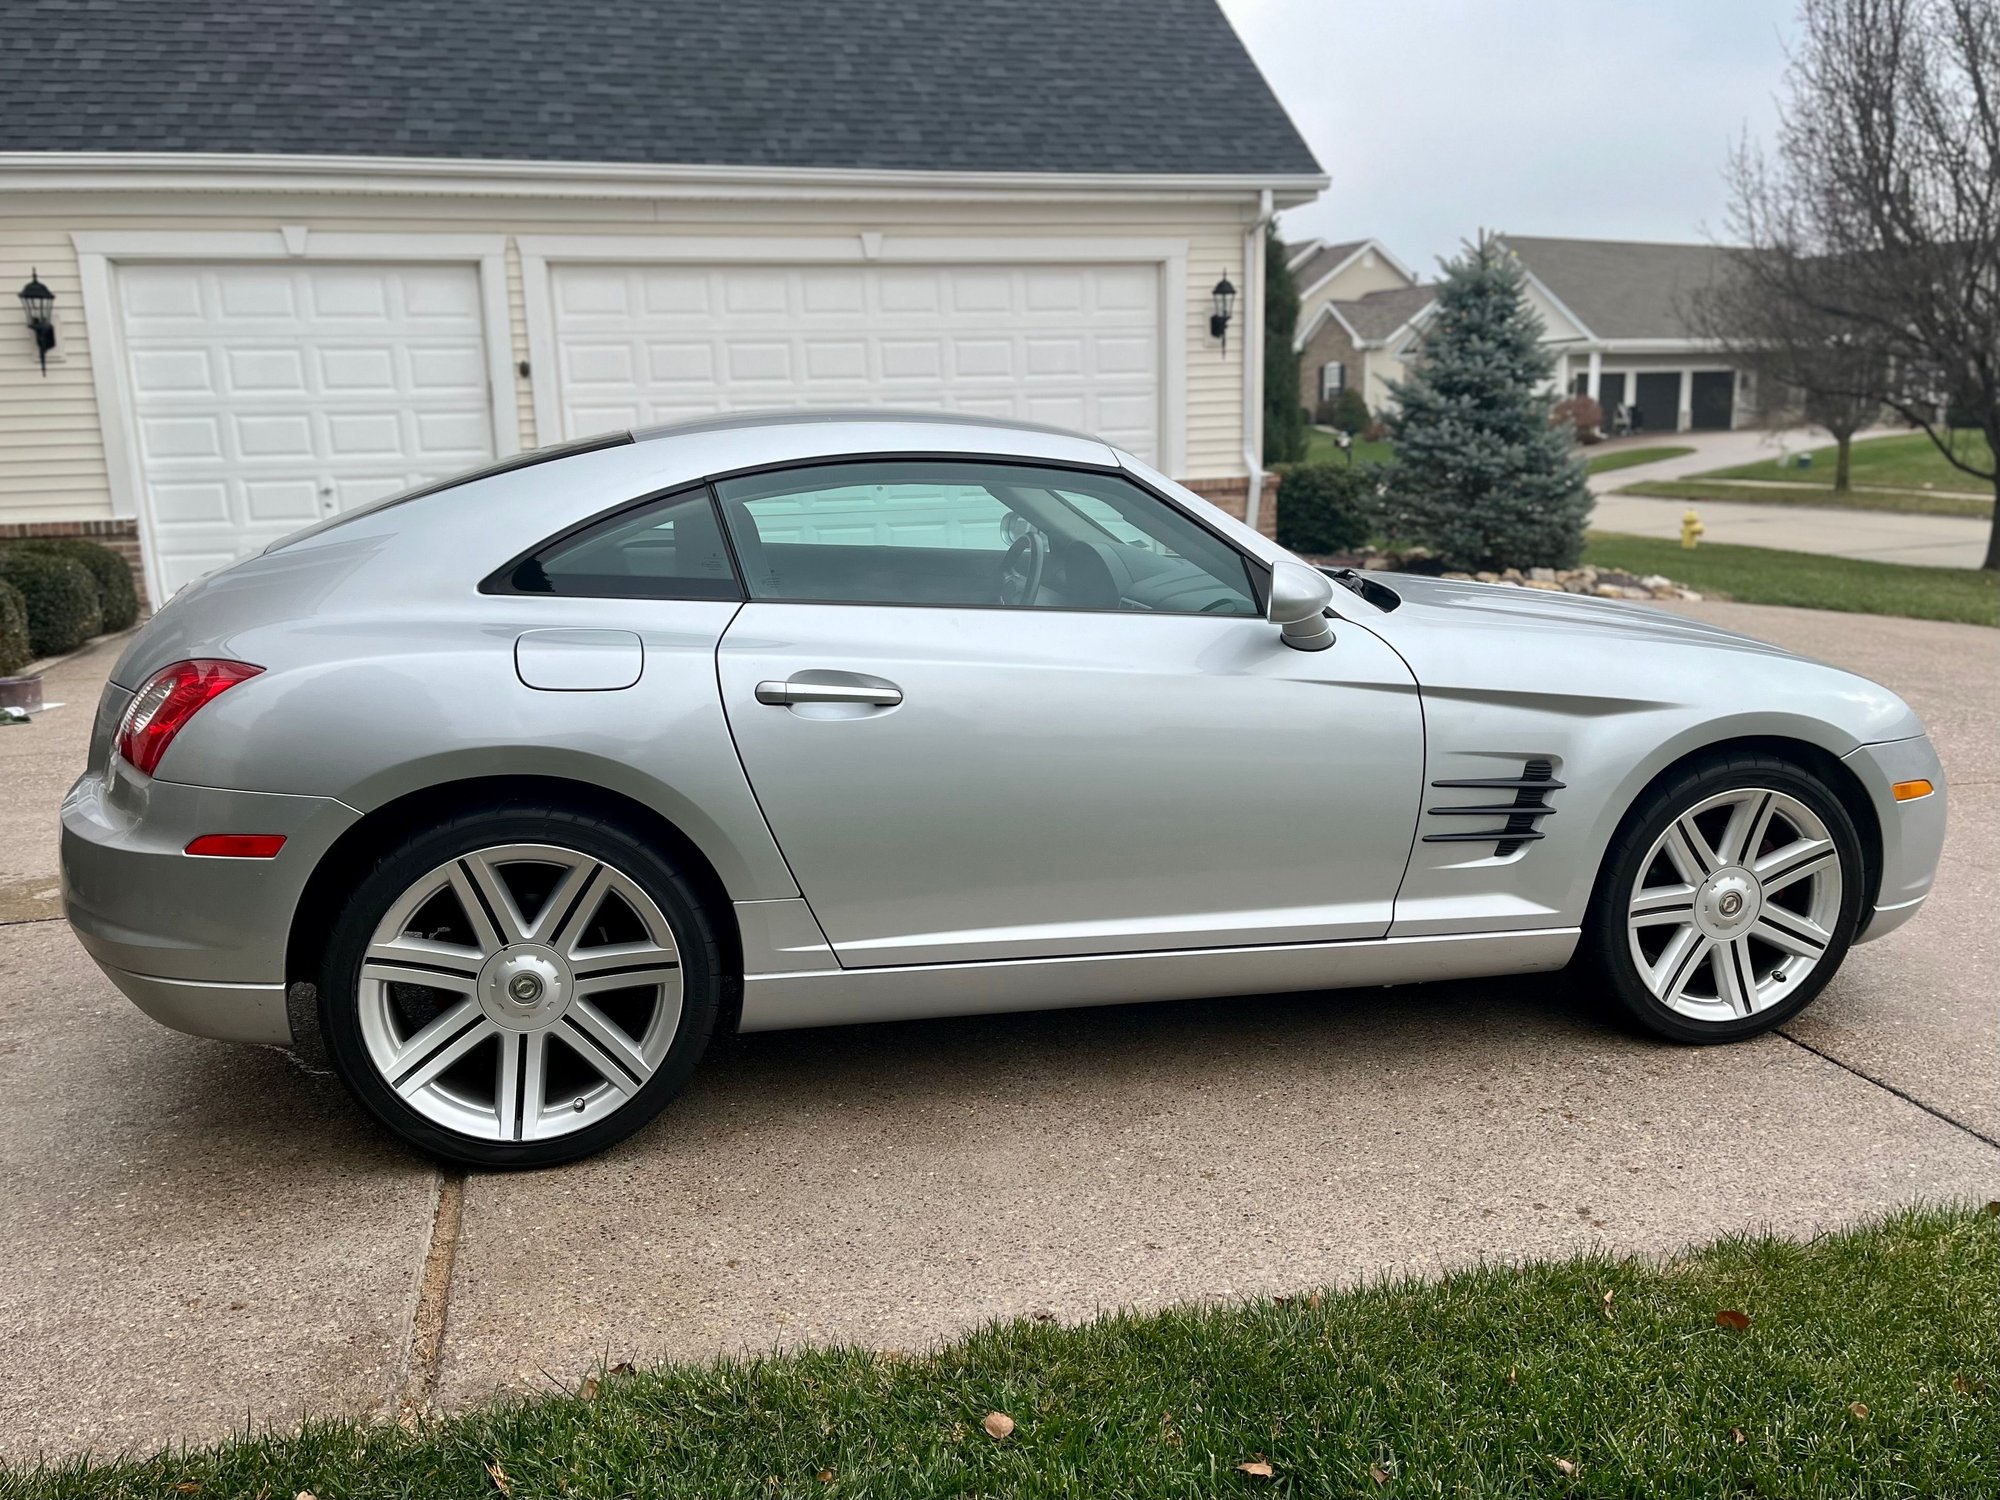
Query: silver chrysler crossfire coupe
[510,792]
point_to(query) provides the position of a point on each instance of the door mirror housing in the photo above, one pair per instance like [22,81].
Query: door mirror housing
[1299,597]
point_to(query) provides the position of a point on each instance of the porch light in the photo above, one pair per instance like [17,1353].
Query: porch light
[1224,299]
[38,302]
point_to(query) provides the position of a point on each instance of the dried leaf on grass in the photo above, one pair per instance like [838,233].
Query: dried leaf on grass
[1378,1474]
[499,1477]
[1565,1466]
[588,1390]
[1730,1317]
[1860,1411]
[999,1426]
[1256,1468]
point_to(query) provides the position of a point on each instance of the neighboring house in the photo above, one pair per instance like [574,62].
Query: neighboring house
[308,254]
[1615,315]
[1356,303]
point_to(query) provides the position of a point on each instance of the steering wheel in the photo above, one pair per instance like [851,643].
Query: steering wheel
[1021,569]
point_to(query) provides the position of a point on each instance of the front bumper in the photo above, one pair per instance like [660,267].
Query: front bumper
[1912,832]
[197,943]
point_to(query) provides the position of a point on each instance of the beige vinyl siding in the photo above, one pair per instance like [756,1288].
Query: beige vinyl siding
[52,464]
[51,456]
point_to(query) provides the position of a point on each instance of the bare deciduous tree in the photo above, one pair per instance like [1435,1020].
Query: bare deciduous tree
[1878,211]
[1829,370]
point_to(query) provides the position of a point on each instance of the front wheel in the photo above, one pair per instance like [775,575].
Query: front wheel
[1727,900]
[519,987]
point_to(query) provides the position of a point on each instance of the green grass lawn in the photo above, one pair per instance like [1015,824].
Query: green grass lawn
[1321,449]
[1919,502]
[1867,1363]
[1625,458]
[1761,575]
[1909,461]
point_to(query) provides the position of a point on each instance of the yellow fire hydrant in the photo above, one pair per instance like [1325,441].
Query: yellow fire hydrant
[1691,530]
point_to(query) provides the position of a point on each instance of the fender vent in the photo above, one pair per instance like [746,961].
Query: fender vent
[1523,813]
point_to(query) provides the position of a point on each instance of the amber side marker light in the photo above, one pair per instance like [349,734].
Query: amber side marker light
[237,845]
[1909,791]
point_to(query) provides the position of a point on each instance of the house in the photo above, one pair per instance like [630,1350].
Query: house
[1357,308]
[1616,313]
[307,254]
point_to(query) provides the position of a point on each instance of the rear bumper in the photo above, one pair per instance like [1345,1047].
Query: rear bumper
[196,943]
[1912,832]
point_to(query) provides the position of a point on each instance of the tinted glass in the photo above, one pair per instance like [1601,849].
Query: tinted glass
[1003,535]
[668,549]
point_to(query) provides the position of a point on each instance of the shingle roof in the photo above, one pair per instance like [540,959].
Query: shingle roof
[1623,289]
[1379,314]
[1118,86]
[1323,260]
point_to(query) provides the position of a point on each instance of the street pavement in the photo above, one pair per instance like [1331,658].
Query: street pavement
[1832,531]
[201,1237]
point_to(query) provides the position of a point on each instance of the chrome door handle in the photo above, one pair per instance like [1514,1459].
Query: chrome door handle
[781,694]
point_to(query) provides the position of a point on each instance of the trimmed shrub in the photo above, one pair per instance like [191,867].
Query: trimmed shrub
[1346,411]
[112,574]
[1325,508]
[61,597]
[14,651]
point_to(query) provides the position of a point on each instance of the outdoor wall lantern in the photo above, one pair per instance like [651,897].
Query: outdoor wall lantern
[39,303]
[1224,297]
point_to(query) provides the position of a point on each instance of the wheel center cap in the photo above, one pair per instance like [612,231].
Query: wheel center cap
[1728,902]
[524,987]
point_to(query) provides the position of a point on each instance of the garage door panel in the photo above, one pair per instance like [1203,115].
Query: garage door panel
[1073,345]
[268,396]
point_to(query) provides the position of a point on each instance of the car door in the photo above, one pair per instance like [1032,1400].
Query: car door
[999,712]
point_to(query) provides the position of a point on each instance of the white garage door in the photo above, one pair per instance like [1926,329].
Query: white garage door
[1074,346]
[270,396]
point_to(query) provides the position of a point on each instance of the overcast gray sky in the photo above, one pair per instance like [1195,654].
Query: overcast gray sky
[1600,119]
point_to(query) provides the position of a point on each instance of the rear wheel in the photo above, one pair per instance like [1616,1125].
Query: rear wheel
[1727,900]
[519,987]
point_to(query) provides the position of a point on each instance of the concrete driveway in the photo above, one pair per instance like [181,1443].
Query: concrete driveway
[199,1236]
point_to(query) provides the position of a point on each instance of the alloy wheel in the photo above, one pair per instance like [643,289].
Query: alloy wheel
[1735,904]
[520,992]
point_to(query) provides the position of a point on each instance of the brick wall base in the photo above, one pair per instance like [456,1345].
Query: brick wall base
[121,537]
[1233,495]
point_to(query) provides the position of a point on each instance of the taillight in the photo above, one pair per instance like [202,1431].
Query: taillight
[171,697]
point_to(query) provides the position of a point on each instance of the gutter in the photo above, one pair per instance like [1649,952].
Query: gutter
[193,171]
[1253,358]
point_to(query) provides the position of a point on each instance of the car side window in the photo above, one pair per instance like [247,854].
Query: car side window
[943,532]
[666,549]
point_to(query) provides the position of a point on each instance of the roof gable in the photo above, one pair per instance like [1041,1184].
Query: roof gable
[1056,86]
[1622,289]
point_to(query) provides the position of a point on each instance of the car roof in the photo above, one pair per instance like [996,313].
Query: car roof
[846,417]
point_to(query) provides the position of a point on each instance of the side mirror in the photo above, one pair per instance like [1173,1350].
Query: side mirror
[1299,597]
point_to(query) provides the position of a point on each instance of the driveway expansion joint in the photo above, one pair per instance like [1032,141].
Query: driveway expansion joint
[1890,1088]
[417,1391]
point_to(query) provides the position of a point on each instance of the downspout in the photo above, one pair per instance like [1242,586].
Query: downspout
[1253,358]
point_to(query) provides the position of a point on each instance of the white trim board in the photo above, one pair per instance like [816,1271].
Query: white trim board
[192,171]
[540,252]
[100,252]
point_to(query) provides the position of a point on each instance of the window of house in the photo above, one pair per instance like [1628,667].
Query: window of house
[1332,379]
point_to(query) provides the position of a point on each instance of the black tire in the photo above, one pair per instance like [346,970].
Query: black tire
[702,979]
[1605,953]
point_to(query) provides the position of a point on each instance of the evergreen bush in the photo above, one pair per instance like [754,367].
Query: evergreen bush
[1325,508]
[60,595]
[15,652]
[1483,477]
[117,597]
[1284,412]
[1346,411]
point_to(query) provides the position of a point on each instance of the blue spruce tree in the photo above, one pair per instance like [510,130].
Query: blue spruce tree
[1481,476]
